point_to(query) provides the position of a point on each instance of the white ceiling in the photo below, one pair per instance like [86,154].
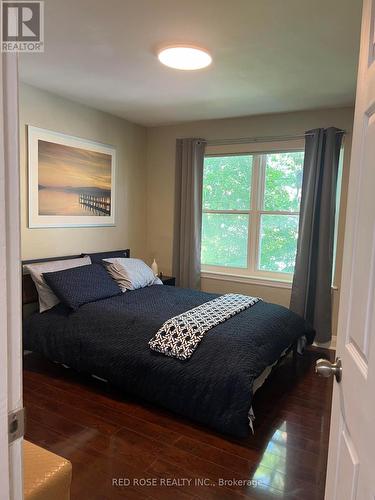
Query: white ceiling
[269,56]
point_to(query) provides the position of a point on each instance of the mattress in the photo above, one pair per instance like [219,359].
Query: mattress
[109,338]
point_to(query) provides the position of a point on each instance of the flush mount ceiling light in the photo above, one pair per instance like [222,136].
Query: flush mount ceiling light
[184,57]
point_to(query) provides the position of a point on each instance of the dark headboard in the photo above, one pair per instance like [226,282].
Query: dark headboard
[29,293]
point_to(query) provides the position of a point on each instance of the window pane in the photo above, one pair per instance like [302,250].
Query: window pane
[224,239]
[278,243]
[226,182]
[283,183]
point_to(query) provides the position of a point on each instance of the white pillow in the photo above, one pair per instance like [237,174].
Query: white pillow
[47,298]
[131,274]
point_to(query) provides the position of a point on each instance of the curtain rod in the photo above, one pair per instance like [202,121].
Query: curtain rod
[246,140]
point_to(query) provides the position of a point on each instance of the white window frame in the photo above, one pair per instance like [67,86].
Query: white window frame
[251,273]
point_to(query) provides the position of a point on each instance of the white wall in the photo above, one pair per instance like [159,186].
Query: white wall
[45,110]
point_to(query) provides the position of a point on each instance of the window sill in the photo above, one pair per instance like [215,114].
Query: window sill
[250,280]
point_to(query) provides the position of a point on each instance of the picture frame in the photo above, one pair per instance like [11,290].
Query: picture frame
[71,180]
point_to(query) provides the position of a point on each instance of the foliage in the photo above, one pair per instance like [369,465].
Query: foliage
[227,186]
[278,243]
[283,181]
[227,182]
[224,239]
[279,233]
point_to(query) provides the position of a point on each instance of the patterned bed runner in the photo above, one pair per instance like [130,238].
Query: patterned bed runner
[181,335]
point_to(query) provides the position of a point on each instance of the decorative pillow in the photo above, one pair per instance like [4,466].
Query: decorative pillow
[99,256]
[80,285]
[131,274]
[47,298]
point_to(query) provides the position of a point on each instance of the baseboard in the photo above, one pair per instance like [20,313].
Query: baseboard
[327,345]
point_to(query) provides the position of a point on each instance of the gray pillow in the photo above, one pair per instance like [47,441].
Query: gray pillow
[47,298]
[131,274]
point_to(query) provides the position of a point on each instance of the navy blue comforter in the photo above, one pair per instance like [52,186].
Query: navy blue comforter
[109,338]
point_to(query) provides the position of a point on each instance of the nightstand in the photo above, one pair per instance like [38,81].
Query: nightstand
[168,280]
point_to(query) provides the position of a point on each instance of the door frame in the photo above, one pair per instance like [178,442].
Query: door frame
[11,477]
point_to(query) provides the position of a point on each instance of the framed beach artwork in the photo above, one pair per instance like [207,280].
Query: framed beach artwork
[71,181]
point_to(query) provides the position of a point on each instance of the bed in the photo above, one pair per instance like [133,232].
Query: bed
[109,339]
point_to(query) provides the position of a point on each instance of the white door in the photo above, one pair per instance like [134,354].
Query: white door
[351,458]
[10,282]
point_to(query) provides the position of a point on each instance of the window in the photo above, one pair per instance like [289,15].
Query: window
[250,214]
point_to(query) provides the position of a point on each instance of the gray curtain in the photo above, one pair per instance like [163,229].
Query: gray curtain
[188,212]
[311,291]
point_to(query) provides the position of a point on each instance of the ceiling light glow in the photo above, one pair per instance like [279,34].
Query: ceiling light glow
[185,57]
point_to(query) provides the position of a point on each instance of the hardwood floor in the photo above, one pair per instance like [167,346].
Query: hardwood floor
[116,444]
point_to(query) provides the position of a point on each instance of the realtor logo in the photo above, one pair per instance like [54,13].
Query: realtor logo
[22,26]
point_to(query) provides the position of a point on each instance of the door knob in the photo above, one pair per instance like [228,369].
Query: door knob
[325,368]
